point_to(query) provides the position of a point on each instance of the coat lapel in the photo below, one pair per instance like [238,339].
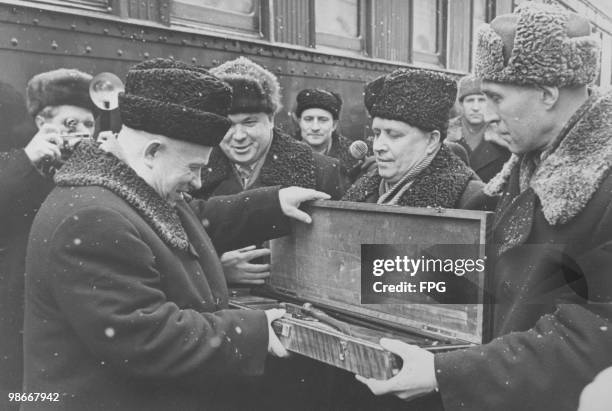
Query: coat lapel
[514,217]
[287,163]
[566,179]
[440,184]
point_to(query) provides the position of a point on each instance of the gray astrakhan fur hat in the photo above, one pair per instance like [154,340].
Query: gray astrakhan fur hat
[538,44]
[255,89]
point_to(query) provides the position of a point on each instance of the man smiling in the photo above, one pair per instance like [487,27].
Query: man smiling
[255,154]
[126,303]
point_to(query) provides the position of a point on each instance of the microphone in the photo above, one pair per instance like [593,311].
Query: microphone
[358,149]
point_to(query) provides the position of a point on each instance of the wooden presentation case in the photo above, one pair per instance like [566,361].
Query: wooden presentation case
[320,264]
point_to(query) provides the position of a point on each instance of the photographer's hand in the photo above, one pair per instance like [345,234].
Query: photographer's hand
[45,145]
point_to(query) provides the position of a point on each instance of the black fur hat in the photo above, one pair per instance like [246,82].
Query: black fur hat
[57,88]
[176,100]
[419,98]
[318,98]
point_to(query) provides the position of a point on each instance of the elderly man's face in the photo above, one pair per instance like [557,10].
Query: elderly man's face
[317,126]
[474,108]
[248,138]
[521,115]
[176,168]
[398,147]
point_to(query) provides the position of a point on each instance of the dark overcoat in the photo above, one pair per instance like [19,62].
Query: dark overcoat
[22,191]
[288,163]
[126,301]
[339,150]
[552,280]
[298,381]
[487,158]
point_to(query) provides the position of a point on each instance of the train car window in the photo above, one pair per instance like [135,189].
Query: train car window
[338,23]
[428,20]
[235,15]
[479,17]
[425,31]
[97,5]
[391,29]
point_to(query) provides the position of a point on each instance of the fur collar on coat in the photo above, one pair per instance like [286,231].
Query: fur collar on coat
[288,163]
[91,166]
[566,180]
[441,184]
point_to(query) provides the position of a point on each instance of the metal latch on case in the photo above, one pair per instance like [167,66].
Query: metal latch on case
[343,350]
[281,329]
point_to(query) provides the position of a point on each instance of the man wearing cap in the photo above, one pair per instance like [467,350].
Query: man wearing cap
[59,103]
[553,227]
[317,113]
[410,111]
[126,302]
[476,131]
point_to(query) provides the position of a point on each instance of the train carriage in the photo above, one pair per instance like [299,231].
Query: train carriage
[336,44]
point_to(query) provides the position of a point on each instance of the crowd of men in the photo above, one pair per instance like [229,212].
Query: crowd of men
[115,256]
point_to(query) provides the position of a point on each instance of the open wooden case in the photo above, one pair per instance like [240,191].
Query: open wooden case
[320,264]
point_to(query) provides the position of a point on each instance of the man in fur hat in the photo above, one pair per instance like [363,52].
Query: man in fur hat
[317,112]
[410,111]
[254,154]
[59,103]
[126,302]
[475,130]
[552,232]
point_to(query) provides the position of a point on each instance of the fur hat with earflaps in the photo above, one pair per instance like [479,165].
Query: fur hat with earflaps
[176,100]
[420,98]
[255,89]
[318,98]
[58,88]
[539,44]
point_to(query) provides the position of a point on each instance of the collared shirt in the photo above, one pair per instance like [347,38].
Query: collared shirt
[247,174]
